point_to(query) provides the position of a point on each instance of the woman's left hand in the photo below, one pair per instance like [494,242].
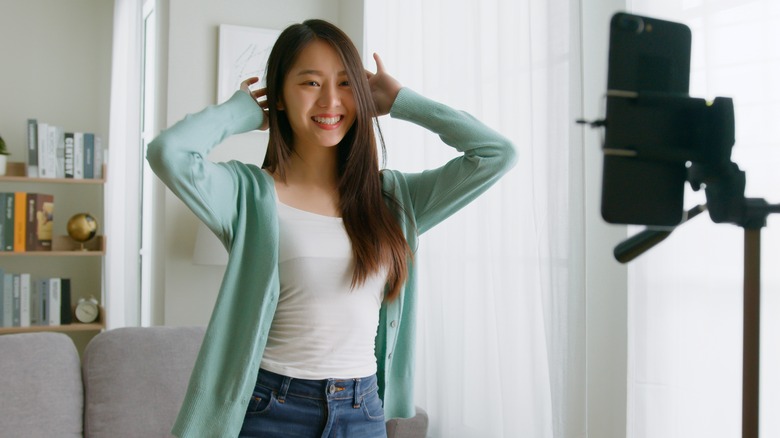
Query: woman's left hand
[384,88]
[259,97]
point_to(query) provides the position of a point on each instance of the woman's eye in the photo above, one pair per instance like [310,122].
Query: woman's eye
[344,84]
[312,83]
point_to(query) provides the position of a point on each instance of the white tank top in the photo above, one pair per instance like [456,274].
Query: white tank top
[322,327]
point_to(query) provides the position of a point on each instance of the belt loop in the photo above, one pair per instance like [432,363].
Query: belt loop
[283,389]
[356,394]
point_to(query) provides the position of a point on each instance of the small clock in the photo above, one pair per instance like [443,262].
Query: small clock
[87,310]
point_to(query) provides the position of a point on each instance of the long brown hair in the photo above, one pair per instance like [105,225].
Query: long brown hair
[376,236]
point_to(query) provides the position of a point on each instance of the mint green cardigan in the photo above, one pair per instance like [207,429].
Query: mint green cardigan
[236,201]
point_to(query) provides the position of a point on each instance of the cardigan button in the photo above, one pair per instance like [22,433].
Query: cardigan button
[393,324]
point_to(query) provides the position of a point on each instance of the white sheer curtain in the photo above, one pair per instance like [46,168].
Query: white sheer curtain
[501,327]
[685,296]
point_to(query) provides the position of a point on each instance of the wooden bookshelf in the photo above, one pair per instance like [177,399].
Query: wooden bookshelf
[17,172]
[73,327]
[64,246]
[68,328]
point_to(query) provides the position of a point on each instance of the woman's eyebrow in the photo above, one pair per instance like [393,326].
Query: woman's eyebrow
[314,72]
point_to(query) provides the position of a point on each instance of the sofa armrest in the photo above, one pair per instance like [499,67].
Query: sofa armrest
[415,427]
[40,386]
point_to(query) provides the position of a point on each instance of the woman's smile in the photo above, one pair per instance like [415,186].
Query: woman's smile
[328,121]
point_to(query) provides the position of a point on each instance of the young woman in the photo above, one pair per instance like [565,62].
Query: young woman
[312,333]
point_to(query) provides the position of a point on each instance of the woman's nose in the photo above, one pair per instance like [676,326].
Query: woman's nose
[329,96]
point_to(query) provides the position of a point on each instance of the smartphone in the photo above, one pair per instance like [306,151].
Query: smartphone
[647,56]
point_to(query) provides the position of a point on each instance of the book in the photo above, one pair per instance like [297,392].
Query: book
[32,148]
[16,305]
[44,169]
[24,300]
[69,149]
[3,200]
[99,158]
[20,221]
[66,311]
[55,301]
[3,222]
[55,150]
[42,222]
[78,155]
[8,299]
[58,138]
[43,292]
[89,155]
[2,298]
[8,221]
[29,226]
[36,313]
[39,222]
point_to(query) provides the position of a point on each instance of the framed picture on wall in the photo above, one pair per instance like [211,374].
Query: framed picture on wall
[243,53]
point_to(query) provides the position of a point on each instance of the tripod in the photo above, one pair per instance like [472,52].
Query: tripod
[711,168]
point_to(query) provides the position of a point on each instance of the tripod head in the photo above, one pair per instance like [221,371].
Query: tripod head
[657,138]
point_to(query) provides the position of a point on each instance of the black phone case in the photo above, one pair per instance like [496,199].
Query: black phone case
[646,55]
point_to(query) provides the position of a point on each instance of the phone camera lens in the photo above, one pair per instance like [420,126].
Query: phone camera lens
[632,24]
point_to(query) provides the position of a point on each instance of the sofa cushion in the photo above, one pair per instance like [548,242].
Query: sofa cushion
[135,380]
[40,386]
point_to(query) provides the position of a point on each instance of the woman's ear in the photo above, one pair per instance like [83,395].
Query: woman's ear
[280,105]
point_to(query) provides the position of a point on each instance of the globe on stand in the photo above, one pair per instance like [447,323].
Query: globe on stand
[82,227]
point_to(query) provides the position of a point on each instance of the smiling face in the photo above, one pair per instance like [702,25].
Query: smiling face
[317,98]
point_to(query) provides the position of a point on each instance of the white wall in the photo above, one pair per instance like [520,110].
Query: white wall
[192,38]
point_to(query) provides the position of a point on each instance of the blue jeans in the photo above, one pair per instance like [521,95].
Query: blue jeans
[281,406]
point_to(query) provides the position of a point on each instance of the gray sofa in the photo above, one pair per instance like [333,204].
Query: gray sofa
[129,383]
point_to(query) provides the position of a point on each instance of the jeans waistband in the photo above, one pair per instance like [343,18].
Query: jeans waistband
[326,389]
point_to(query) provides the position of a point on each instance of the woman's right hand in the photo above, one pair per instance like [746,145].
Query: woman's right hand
[259,96]
[384,88]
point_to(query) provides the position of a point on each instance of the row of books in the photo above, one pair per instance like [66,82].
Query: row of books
[53,152]
[26,302]
[26,221]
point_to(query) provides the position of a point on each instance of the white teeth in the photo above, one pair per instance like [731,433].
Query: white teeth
[327,120]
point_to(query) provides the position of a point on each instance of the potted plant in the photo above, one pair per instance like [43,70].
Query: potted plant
[3,156]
